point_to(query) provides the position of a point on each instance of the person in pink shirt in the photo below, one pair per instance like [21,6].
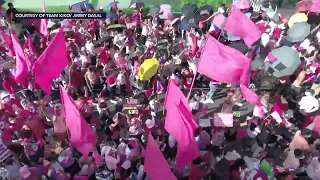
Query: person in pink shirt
[122,17]
[9,84]
[299,140]
[35,124]
[59,125]
[102,52]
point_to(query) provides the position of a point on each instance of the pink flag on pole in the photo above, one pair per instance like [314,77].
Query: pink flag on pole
[222,63]
[175,95]
[7,39]
[21,71]
[83,138]
[238,25]
[44,22]
[230,66]
[315,6]
[51,62]
[180,124]
[155,165]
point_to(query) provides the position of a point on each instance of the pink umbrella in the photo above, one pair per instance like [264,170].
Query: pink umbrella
[303,6]
[242,4]
[219,21]
[166,12]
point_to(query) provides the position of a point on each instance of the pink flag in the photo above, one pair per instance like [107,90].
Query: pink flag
[30,45]
[315,6]
[230,66]
[44,22]
[222,63]
[238,25]
[155,165]
[174,96]
[180,124]
[8,41]
[51,62]
[83,138]
[114,5]
[21,71]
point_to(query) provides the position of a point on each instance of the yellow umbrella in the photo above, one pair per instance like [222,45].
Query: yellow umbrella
[296,18]
[148,69]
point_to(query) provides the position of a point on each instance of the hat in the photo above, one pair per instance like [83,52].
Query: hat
[24,172]
[150,123]
[126,164]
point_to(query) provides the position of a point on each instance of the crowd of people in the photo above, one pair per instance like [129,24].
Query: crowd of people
[118,73]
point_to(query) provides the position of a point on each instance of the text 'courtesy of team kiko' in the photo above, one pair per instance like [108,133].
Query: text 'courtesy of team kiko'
[23,15]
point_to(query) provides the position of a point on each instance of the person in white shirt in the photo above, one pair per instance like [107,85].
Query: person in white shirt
[90,47]
[121,82]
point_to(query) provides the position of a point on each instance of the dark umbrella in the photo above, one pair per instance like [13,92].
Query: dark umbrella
[240,46]
[106,39]
[206,9]
[191,21]
[188,10]
[136,5]
[298,32]
[112,16]
[287,61]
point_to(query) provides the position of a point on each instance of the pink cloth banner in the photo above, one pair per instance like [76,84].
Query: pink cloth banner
[44,22]
[155,165]
[21,71]
[227,65]
[83,138]
[223,120]
[51,62]
[238,25]
[180,124]
[315,6]
[222,63]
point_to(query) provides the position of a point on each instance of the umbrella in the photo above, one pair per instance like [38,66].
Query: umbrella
[188,10]
[166,12]
[102,40]
[109,6]
[79,6]
[298,32]
[112,16]
[298,17]
[115,26]
[242,4]
[154,10]
[136,5]
[206,9]
[303,6]
[287,61]
[148,69]
[240,46]
[188,22]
